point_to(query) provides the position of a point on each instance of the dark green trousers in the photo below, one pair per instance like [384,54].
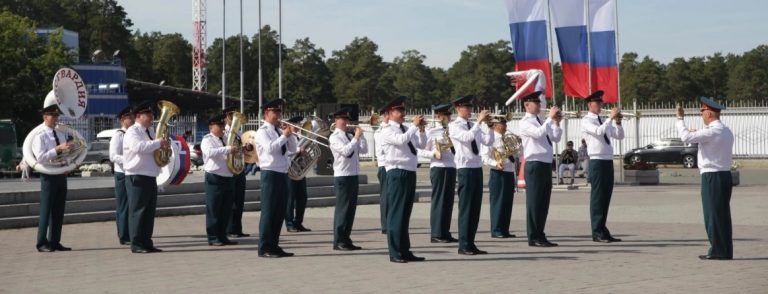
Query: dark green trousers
[502,192]
[297,203]
[274,187]
[470,200]
[716,188]
[121,208]
[53,199]
[401,190]
[601,179]
[219,194]
[347,189]
[443,191]
[142,203]
[382,175]
[238,204]
[538,191]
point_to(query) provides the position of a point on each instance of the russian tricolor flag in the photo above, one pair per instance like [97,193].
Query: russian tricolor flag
[570,24]
[528,25]
[602,34]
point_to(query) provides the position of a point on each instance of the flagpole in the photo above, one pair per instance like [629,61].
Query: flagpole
[280,50]
[223,54]
[242,76]
[551,52]
[618,60]
[259,53]
[589,46]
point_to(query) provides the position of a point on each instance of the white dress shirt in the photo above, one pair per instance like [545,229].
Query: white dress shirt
[215,155]
[269,145]
[116,150]
[462,136]
[490,160]
[536,147]
[395,142]
[44,147]
[715,145]
[346,151]
[595,134]
[138,152]
[381,154]
[446,159]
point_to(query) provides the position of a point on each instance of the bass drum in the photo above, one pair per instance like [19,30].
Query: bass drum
[177,168]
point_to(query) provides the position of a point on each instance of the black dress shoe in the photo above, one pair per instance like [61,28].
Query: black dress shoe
[438,240]
[139,250]
[238,235]
[125,242]
[467,252]
[503,236]
[155,250]
[301,228]
[479,252]
[346,247]
[269,254]
[710,257]
[397,259]
[383,232]
[292,230]
[541,244]
[608,239]
[452,240]
[44,248]
[412,257]
[229,242]
[215,243]
[283,253]
[59,247]
[612,239]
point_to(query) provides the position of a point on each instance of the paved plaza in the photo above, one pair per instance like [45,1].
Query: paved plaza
[662,227]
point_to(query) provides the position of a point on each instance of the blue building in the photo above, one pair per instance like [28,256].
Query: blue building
[107,87]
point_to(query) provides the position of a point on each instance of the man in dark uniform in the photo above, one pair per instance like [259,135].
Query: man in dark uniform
[272,145]
[442,174]
[346,149]
[297,197]
[141,173]
[219,182]
[467,139]
[537,138]
[53,188]
[235,228]
[401,143]
[502,182]
[121,194]
[714,161]
[381,160]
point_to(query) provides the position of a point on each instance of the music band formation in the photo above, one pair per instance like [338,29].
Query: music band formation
[458,149]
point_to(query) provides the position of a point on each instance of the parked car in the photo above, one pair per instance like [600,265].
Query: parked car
[665,151]
[98,152]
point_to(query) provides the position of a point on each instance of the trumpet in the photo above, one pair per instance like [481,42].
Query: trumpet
[621,113]
[561,113]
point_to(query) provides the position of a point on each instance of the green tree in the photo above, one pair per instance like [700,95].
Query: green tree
[172,60]
[627,69]
[358,74]
[27,65]
[679,81]
[716,76]
[481,72]
[413,79]
[746,79]
[442,88]
[649,81]
[307,79]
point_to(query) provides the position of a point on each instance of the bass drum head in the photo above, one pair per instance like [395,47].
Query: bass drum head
[247,138]
[184,160]
[169,171]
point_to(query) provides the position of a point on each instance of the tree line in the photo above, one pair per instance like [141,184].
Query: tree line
[355,74]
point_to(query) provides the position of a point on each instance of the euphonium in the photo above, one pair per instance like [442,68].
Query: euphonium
[167,111]
[309,147]
[235,160]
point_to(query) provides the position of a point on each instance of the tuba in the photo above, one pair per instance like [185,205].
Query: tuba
[167,111]
[510,145]
[309,147]
[236,160]
[70,94]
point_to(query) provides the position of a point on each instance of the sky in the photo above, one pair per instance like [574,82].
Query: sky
[441,29]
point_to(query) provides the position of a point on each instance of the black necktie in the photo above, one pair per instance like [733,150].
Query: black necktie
[512,158]
[56,137]
[453,150]
[222,141]
[282,148]
[410,145]
[474,143]
[148,135]
[350,139]
[604,135]
[548,140]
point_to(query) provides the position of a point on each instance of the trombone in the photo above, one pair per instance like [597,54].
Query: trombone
[303,131]
[372,121]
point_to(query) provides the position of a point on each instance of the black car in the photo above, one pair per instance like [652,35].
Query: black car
[665,151]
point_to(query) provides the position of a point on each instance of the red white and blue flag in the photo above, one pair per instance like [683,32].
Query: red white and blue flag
[570,24]
[528,26]
[602,35]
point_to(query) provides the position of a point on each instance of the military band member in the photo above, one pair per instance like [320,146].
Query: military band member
[502,182]
[598,132]
[442,174]
[467,138]
[538,137]
[141,173]
[714,160]
[126,119]
[272,146]
[381,159]
[346,149]
[400,142]
[297,197]
[53,188]
[219,183]
[235,227]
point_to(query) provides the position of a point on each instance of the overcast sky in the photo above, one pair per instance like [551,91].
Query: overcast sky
[441,29]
